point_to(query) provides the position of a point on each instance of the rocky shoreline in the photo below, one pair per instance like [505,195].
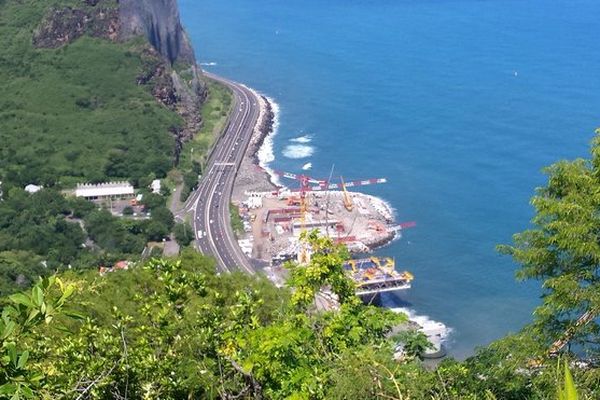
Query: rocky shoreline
[264,129]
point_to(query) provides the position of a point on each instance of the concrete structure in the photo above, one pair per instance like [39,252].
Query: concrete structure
[105,191]
[33,188]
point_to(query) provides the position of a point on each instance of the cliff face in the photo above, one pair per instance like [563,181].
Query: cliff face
[159,21]
[181,90]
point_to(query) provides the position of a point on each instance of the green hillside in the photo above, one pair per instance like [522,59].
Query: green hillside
[76,113]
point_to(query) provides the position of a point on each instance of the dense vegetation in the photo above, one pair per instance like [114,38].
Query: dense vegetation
[44,231]
[173,329]
[176,330]
[75,113]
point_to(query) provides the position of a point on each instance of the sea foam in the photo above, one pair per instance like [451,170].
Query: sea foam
[435,331]
[302,139]
[297,151]
[265,153]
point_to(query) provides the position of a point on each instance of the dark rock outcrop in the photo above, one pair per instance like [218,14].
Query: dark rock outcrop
[62,26]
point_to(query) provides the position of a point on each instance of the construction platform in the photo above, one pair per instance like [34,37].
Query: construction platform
[375,275]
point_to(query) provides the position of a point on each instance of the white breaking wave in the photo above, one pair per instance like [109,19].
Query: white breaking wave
[297,151]
[307,166]
[302,139]
[265,153]
[436,332]
[209,64]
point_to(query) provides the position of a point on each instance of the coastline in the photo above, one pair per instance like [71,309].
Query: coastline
[254,174]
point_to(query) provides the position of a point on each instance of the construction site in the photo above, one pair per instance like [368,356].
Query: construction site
[274,220]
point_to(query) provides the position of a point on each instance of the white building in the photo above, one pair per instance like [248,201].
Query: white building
[33,188]
[155,186]
[109,190]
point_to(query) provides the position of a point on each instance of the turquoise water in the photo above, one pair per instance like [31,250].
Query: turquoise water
[459,103]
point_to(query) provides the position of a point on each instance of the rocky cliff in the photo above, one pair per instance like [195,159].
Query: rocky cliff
[170,66]
[159,21]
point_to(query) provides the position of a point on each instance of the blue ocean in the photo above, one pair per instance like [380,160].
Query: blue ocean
[459,103]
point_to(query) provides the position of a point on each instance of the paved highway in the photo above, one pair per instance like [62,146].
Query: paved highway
[209,203]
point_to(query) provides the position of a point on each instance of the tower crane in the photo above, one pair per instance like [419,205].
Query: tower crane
[310,184]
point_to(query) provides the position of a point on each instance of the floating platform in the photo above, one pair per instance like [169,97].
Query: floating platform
[375,275]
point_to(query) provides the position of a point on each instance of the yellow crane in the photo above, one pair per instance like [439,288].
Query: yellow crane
[347,199]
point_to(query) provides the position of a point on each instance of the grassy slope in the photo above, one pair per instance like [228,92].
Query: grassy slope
[64,112]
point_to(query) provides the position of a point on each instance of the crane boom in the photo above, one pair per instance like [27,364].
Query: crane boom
[347,200]
[581,321]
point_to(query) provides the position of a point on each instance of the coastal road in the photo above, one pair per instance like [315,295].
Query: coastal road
[209,203]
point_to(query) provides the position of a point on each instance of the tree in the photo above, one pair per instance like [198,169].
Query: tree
[19,377]
[414,343]
[18,269]
[163,216]
[183,234]
[156,231]
[152,201]
[563,249]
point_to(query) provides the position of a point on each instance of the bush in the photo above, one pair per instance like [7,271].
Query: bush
[183,234]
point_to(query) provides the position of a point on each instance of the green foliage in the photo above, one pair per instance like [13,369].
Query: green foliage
[18,269]
[183,234]
[38,223]
[75,113]
[236,221]
[157,332]
[567,391]
[19,377]
[325,268]
[292,357]
[415,343]
[173,329]
[164,217]
[112,234]
[563,249]
[152,201]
